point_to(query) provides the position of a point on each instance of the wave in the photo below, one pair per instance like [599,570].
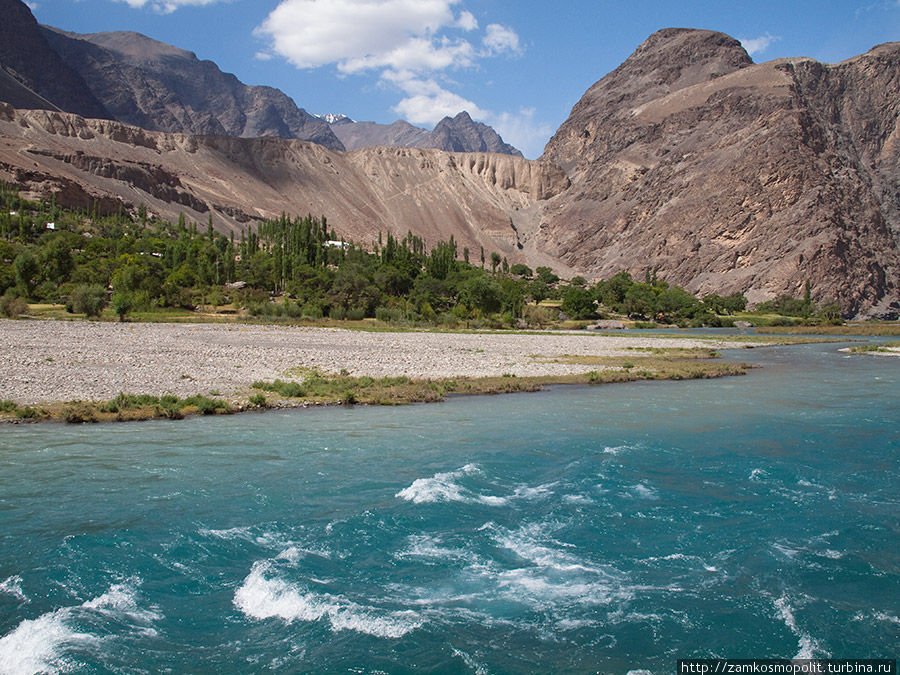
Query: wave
[643,491]
[265,596]
[808,647]
[473,665]
[39,645]
[442,487]
[13,586]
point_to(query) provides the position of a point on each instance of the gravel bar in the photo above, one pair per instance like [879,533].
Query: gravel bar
[47,361]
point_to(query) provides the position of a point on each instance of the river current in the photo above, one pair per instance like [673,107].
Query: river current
[581,529]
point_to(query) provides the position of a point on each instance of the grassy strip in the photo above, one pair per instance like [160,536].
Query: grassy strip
[686,364]
[886,348]
[318,389]
[123,408]
[875,328]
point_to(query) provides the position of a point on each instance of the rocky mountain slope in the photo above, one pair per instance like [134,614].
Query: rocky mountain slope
[32,74]
[722,175]
[454,134]
[481,199]
[159,87]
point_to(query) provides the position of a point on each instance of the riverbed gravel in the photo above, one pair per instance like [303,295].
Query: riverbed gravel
[45,361]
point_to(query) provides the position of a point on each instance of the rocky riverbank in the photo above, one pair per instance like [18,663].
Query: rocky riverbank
[46,361]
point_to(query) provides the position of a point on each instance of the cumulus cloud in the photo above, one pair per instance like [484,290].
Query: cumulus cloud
[167,6]
[360,34]
[426,101]
[501,39]
[758,45]
[410,44]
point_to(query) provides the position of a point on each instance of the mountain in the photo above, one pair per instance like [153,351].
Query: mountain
[688,161]
[453,134]
[722,175]
[32,74]
[355,135]
[480,198]
[462,134]
[159,87]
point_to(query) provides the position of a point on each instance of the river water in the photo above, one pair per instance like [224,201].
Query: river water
[582,529]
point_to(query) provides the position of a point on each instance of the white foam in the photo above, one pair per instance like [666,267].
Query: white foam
[785,550]
[539,492]
[121,601]
[441,487]
[525,545]
[264,596]
[757,475]
[38,645]
[13,586]
[644,491]
[229,534]
[476,667]
[808,647]
[424,546]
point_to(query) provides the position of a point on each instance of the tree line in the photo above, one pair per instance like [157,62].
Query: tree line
[297,267]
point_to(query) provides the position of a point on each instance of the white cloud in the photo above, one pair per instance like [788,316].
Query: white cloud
[426,101]
[357,34]
[501,39]
[167,6]
[521,130]
[467,21]
[757,45]
[409,43]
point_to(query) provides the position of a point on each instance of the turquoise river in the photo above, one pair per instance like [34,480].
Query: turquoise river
[576,530]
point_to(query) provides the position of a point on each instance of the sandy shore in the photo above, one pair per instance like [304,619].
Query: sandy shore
[44,361]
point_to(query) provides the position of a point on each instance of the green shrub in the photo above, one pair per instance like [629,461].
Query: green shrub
[311,311]
[12,306]
[257,400]
[356,314]
[205,405]
[87,299]
[8,406]
[27,413]
[78,412]
[338,313]
[280,387]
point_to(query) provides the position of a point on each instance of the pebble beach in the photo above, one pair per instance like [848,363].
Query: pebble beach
[47,361]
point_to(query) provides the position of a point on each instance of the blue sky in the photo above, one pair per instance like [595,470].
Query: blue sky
[517,65]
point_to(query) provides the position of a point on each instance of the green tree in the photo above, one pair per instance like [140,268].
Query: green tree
[87,299]
[578,302]
[26,268]
[122,303]
[482,293]
[520,270]
[546,275]
[640,301]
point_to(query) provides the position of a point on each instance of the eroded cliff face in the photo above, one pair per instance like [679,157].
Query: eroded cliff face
[723,176]
[481,199]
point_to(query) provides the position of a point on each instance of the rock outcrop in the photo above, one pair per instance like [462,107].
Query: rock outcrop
[722,175]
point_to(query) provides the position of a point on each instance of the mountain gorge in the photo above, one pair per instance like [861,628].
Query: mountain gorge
[688,161]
